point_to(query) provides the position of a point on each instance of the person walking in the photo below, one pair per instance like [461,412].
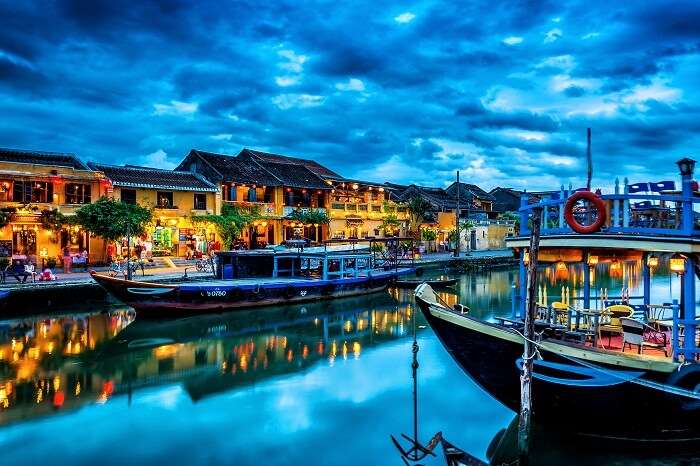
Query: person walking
[67,260]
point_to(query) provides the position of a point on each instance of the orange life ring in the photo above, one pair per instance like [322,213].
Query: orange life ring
[569,212]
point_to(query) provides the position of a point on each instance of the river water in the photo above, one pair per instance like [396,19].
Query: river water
[318,384]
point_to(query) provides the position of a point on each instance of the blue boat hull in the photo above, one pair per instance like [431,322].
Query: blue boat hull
[161,300]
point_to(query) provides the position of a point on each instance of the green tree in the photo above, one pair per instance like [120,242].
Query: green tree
[390,223]
[230,224]
[112,219]
[309,217]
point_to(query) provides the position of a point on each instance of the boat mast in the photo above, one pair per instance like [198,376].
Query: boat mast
[589,161]
[459,188]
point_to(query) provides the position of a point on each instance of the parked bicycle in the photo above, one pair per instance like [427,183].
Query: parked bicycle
[120,268]
[205,264]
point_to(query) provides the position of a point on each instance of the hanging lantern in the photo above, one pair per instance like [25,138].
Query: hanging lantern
[677,264]
[592,260]
[652,261]
[561,265]
[526,257]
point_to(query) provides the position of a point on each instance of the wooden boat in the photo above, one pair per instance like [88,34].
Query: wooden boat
[249,279]
[583,389]
[435,283]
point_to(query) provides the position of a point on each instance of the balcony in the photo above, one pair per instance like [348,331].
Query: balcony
[266,209]
[287,210]
[369,210]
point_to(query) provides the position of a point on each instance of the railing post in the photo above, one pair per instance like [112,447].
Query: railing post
[524,214]
[513,299]
[616,205]
[562,202]
[674,330]
[646,280]
[689,316]
[626,206]
[687,220]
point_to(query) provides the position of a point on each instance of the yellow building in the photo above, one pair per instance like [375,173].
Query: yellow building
[272,185]
[359,209]
[175,197]
[32,185]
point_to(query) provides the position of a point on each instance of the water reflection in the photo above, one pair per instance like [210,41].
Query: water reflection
[298,378]
[60,363]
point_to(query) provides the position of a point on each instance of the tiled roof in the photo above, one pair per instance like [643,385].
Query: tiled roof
[467,190]
[296,176]
[312,165]
[57,159]
[238,170]
[153,178]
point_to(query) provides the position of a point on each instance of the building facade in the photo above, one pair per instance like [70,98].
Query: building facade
[175,197]
[360,209]
[34,186]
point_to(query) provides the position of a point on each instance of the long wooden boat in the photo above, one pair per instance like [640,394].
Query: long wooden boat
[435,283]
[159,299]
[579,388]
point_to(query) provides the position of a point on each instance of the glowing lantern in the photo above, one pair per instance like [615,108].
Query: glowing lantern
[592,261]
[526,257]
[652,261]
[561,265]
[677,264]
[58,398]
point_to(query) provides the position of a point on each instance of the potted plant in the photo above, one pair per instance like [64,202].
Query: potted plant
[51,263]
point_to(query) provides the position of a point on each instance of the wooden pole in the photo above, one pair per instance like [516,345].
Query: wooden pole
[457,219]
[589,160]
[529,351]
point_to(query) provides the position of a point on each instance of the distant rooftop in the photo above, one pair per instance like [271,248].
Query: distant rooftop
[312,165]
[56,159]
[131,176]
[237,170]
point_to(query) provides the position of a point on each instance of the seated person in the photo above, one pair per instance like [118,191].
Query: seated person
[18,271]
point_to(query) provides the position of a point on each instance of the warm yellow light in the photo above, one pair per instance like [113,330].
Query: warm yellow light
[677,264]
[592,260]
[561,265]
[355,186]
[652,261]
[526,257]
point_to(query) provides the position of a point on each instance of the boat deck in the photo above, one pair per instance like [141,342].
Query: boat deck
[282,282]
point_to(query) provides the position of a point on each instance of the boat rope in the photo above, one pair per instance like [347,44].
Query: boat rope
[643,382]
[536,343]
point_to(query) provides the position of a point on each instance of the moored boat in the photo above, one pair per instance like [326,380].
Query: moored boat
[254,279]
[435,283]
[619,367]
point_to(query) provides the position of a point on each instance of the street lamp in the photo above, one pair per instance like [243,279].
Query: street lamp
[686,166]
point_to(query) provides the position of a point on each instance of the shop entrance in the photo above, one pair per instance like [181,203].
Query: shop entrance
[24,242]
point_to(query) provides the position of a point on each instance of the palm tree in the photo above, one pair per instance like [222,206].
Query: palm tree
[418,209]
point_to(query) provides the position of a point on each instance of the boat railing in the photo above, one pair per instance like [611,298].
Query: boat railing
[669,213]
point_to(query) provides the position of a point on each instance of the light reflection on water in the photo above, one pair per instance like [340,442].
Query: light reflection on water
[324,383]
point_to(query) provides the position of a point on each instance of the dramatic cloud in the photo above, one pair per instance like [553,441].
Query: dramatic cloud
[502,91]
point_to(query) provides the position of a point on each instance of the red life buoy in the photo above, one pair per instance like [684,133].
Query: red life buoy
[569,212]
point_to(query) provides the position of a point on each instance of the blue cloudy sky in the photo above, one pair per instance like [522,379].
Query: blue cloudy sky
[387,91]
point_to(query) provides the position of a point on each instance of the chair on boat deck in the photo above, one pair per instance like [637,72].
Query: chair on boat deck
[610,320]
[634,333]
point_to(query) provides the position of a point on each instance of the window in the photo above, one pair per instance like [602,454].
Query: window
[32,191]
[252,195]
[200,201]
[164,199]
[129,196]
[5,190]
[77,193]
